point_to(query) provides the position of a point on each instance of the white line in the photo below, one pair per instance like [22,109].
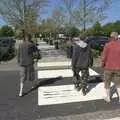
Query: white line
[67,94]
[49,64]
[117,118]
[45,47]
[63,73]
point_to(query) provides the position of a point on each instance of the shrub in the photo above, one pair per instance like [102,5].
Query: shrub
[95,53]
[9,55]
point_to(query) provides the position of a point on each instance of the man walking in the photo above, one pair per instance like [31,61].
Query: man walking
[26,62]
[111,65]
[81,61]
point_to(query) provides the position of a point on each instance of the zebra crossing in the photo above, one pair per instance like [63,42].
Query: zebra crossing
[56,96]
[60,94]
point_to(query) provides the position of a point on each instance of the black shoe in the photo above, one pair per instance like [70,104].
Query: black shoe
[78,87]
[84,91]
[20,95]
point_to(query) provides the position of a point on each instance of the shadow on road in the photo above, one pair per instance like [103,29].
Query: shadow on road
[43,83]
[91,83]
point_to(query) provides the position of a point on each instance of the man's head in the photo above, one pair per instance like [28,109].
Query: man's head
[114,35]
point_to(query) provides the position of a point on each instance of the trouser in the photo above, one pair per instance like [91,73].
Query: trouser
[111,75]
[27,73]
[81,80]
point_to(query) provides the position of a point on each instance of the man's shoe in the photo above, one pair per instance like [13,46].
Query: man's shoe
[107,99]
[76,86]
[84,91]
[20,95]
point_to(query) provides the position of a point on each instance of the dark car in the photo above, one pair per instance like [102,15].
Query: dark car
[98,42]
[7,47]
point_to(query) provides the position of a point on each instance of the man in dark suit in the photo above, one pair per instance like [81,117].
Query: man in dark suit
[26,62]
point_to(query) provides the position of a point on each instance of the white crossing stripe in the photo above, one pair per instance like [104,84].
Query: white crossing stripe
[63,73]
[63,93]
[117,118]
[45,47]
[52,64]
[49,95]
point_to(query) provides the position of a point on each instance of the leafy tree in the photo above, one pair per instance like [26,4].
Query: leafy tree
[47,27]
[108,28]
[22,14]
[58,19]
[6,31]
[67,8]
[117,26]
[90,11]
[73,31]
[97,29]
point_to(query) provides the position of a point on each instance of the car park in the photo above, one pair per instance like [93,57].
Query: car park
[98,42]
[7,47]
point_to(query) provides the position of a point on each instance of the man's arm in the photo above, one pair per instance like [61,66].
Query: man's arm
[18,54]
[90,56]
[74,57]
[104,55]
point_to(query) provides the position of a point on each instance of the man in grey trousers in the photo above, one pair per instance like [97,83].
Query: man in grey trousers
[26,62]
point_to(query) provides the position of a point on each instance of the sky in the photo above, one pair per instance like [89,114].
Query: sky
[112,13]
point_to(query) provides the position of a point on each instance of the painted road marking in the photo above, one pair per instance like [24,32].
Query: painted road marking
[49,95]
[53,64]
[45,47]
[63,73]
[117,118]
[64,93]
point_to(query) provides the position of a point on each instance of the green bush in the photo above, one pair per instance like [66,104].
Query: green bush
[67,48]
[6,31]
[9,55]
[63,47]
[95,53]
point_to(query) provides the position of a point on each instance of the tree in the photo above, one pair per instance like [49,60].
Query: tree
[58,19]
[97,29]
[22,14]
[58,16]
[90,11]
[117,26]
[108,28]
[67,8]
[6,31]
[74,32]
[47,27]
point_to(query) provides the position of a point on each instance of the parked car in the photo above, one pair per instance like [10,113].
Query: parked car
[98,42]
[7,48]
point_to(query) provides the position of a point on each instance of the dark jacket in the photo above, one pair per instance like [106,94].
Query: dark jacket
[82,56]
